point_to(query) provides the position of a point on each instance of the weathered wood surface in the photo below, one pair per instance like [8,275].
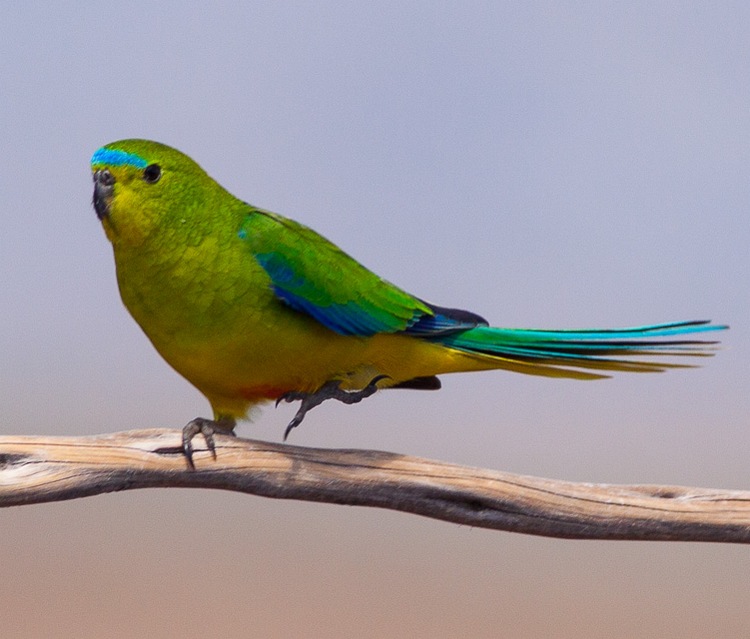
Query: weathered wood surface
[42,469]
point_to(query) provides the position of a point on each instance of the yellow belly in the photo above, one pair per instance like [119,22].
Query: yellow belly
[253,362]
[240,345]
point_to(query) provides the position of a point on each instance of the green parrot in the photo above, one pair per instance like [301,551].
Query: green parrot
[251,307]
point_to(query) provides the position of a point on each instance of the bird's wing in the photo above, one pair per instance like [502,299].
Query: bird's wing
[314,276]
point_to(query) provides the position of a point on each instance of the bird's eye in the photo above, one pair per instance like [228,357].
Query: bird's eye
[152,173]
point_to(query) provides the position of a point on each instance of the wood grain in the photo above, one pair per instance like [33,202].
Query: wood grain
[43,469]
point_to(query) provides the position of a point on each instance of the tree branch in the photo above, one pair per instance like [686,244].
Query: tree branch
[41,469]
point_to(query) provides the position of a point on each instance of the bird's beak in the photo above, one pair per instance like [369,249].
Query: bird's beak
[104,186]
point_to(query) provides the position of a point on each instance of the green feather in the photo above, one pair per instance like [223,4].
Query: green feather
[314,276]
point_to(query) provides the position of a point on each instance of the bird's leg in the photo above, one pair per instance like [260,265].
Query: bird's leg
[207,428]
[329,390]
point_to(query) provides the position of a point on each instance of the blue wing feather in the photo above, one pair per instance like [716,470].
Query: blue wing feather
[313,276]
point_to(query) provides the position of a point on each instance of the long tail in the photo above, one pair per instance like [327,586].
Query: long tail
[564,353]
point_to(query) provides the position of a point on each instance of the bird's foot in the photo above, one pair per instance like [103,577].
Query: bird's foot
[207,428]
[329,390]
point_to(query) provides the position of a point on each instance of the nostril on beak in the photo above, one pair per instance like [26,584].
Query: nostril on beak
[104,183]
[104,177]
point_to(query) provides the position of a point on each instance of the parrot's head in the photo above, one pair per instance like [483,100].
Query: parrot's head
[141,187]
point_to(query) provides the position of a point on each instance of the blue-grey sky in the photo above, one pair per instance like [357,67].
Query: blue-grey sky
[549,165]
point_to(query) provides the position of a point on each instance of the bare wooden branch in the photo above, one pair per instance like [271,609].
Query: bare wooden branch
[41,469]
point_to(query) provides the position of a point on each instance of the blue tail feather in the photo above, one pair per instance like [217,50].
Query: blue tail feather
[588,348]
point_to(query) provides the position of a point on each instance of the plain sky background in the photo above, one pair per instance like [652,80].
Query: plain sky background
[548,165]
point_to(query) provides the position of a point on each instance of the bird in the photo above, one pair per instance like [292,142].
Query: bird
[252,307]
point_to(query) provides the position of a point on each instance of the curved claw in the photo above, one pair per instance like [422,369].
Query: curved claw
[290,397]
[329,390]
[207,428]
